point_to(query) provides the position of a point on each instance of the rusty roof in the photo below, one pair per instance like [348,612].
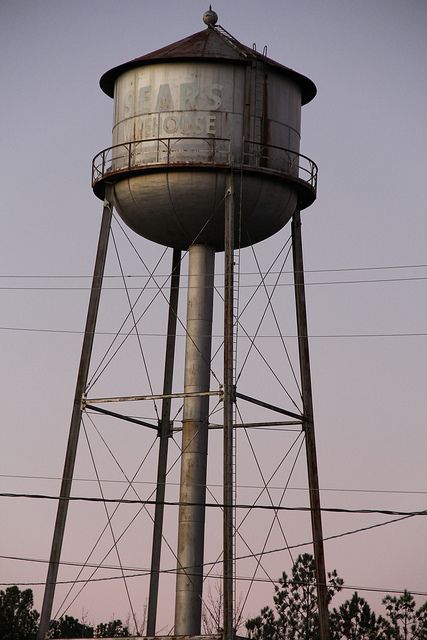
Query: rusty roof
[213,43]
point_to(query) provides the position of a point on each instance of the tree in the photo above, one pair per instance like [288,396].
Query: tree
[18,619]
[69,627]
[113,629]
[406,622]
[212,612]
[295,615]
[355,620]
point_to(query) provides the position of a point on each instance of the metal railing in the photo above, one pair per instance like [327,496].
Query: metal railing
[213,152]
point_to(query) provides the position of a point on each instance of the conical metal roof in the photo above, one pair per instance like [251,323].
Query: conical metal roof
[213,43]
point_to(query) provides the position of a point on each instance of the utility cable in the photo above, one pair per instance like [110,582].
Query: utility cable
[241,486]
[174,503]
[242,286]
[336,270]
[270,551]
[325,336]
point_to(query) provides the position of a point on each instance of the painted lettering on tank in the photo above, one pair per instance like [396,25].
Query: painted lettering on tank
[187,124]
[214,96]
[186,96]
[164,100]
[128,105]
[145,99]
[170,125]
[173,124]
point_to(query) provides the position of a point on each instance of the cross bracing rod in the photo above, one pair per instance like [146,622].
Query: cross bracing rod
[267,405]
[251,425]
[254,425]
[121,416]
[160,396]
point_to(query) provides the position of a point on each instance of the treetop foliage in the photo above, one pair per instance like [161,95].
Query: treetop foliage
[19,621]
[294,615]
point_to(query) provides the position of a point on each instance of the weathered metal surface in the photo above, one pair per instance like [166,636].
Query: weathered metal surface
[177,203]
[191,523]
[131,158]
[181,121]
[209,44]
[206,99]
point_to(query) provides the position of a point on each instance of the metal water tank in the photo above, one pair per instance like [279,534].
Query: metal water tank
[188,114]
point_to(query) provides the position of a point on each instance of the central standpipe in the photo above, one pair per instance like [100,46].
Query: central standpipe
[191,526]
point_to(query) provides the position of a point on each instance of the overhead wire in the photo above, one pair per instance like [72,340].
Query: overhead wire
[176,503]
[326,336]
[270,551]
[110,276]
[242,486]
[242,286]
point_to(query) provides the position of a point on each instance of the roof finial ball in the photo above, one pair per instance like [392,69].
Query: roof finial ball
[210,17]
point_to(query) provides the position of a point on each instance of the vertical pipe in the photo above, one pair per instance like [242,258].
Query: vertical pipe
[228,412]
[73,437]
[164,434]
[191,525]
[308,426]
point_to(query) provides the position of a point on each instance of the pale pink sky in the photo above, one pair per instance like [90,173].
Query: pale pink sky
[366,131]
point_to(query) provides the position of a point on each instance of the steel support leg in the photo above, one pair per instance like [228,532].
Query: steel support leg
[191,524]
[73,438]
[308,426]
[164,435]
[228,412]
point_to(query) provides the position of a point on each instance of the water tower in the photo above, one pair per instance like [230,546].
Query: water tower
[205,159]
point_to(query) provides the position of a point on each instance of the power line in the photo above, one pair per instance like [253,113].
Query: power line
[336,270]
[175,503]
[241,286]
[397,334]
[247,556]
[143,572]
[241,486]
